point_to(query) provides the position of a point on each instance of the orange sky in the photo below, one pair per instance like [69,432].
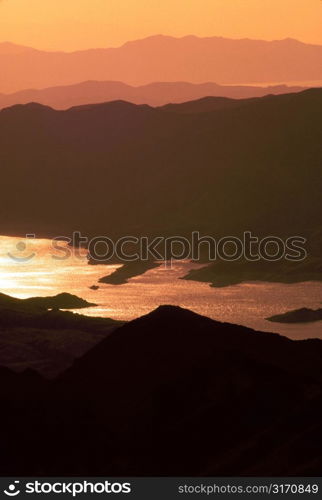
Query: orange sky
[77,24]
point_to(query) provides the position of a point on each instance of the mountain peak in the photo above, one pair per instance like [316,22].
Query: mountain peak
[10,48]
[116,105]
[170,312]
[166,317]
[26,108]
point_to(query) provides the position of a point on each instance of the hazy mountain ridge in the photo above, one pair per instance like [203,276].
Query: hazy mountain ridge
[163,58]
[7,48]
[154,94]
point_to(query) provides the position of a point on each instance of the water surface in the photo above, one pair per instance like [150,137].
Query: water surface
[247,304]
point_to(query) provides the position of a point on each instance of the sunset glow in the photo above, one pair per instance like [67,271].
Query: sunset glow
[80,24]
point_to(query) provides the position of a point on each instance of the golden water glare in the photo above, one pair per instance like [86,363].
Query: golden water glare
[247,304]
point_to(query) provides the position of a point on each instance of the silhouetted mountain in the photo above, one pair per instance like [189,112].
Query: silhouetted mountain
[204,105]
[155,94]
[117,168]
[164,58]
[175,393]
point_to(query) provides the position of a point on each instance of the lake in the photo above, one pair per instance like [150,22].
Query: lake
[30,268]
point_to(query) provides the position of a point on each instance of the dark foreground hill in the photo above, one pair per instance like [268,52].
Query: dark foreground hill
[31,336]
[171,393]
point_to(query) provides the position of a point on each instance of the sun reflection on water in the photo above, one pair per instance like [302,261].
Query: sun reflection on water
[247,303]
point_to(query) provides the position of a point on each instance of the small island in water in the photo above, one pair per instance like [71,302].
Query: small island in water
[60,301]
[303,315]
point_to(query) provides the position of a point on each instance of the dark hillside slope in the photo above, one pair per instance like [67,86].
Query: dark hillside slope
[176,393]
[118,168]
[173,393]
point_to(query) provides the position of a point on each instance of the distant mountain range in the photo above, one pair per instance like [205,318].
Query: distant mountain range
[163,59]
[155,94]
[172,393]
